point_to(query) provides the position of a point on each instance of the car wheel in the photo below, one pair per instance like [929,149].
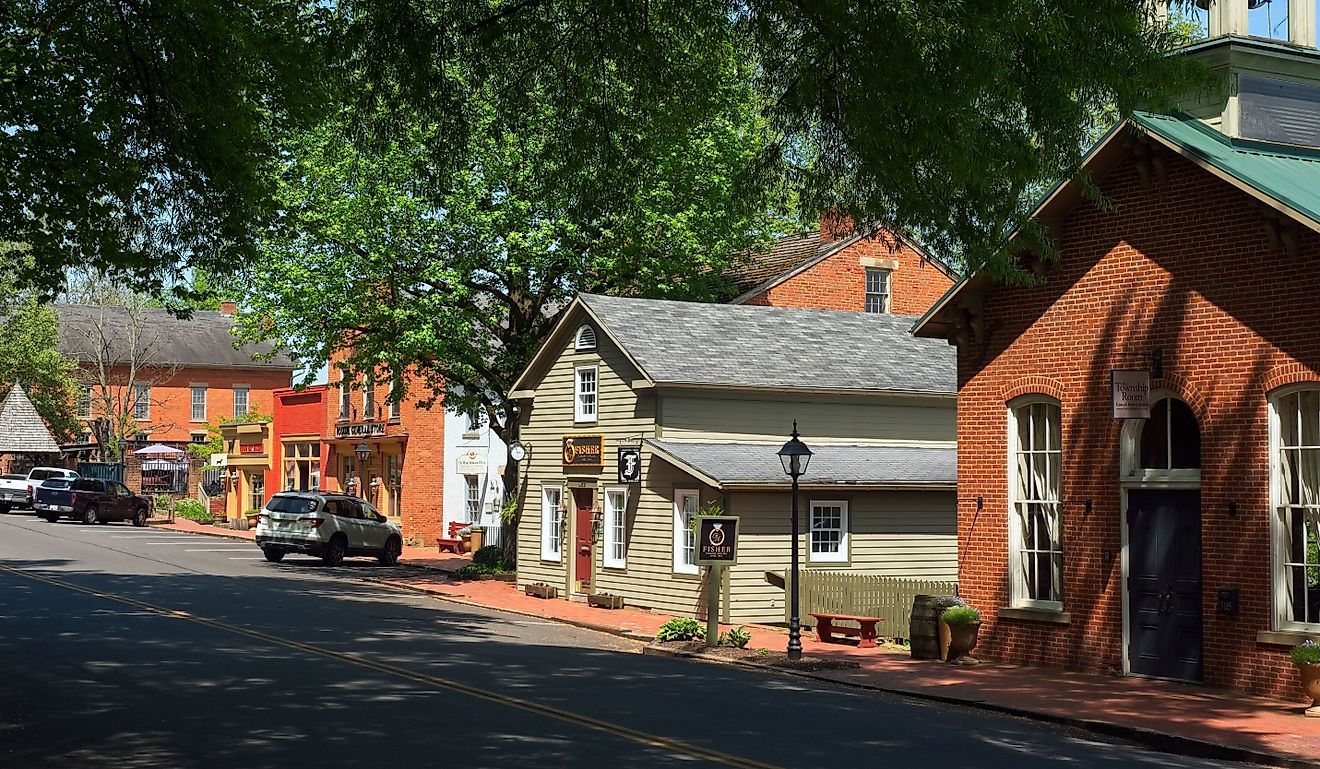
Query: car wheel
[334,551]
[140,517]
[89,515]
[52,516]
[4,509]
[393,549]
[272,554]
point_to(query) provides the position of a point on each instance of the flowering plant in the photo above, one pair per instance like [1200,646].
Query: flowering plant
[1306,653]
[961,615]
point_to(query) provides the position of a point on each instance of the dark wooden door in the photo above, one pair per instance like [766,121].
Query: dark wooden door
[582,539]
[1164,584]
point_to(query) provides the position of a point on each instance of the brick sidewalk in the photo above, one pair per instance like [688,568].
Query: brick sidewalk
[1181,718]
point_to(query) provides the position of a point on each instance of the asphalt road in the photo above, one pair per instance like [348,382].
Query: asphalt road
[124,647]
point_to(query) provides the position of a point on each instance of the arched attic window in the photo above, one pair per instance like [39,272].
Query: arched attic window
[586,338]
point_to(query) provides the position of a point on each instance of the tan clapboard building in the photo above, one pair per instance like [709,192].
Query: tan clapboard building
[702,397]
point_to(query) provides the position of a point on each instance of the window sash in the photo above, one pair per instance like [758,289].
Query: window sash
[368,399]
[687,502]
[472,498]
[1295,529]
[84,404]
[1035,538]
[877,290]
[551,523]
[345,398]
[240,401]
[585,390]
[142,401]
[616,509]
[827,532]
[198,404]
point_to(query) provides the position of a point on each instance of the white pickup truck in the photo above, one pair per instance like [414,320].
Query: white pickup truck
[18,490]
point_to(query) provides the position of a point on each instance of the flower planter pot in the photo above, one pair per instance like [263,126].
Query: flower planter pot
[541,590]
[1311,683]
[945,639]
[605,601]
[962,639]
[476,539]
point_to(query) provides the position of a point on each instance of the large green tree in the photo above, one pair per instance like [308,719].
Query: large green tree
[29,349]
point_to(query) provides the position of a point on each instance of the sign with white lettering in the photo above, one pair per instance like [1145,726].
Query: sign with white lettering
[717,540]
[630,465]
[360,430]
[1131,393]
[472,462]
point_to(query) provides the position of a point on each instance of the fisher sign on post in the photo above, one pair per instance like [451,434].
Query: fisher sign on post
[1131,393]
[717,547]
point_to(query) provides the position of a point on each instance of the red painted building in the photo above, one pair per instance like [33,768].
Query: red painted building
[1181,541]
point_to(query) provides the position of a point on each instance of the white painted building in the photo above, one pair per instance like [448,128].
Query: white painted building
[474,470]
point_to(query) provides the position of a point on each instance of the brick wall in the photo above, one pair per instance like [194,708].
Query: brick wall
[171,396]
[839,281]
[1186,267]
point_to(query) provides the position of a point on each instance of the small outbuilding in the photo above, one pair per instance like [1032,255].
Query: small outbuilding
[25,440]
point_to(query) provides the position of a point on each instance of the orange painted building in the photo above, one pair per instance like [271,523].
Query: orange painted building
[836,269]
[173,377]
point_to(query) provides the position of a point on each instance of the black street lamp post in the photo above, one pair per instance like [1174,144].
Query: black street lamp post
[795,456]
[363,452]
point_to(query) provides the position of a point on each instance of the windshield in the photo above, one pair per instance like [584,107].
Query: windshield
[41,475]
[278,504]
[13,477]
[57,483]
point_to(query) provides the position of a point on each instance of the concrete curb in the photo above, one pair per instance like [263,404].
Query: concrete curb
[1165,743]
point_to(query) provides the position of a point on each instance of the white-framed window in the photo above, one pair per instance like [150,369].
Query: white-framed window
[586,338]
[686,504]
[240,401]
[368,398]
[396,408]
[584,394]
[877,289]
[616,521]
[141,401]
[472,422]
[552,526]
[1295,525]
[84,403]
[828,531]
[1035,514]
[198,404]
[345,394]
[472,497]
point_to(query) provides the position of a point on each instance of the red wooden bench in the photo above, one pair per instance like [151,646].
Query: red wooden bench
[865,632]
[453,541]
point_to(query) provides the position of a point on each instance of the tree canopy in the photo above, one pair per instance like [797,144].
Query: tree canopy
[29,349]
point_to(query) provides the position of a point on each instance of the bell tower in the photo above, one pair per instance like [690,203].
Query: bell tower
[1266,65]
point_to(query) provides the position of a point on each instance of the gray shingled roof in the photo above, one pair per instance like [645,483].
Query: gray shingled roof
[22,430]
[203,340]
[775,348]
[748,464]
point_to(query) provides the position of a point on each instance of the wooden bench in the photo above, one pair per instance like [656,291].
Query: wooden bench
[865,632]
[453,541]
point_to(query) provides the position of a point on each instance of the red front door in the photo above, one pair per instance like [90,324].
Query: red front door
[582,539]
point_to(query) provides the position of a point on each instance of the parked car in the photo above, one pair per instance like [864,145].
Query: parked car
[19,491]
[90,500]
[330,526]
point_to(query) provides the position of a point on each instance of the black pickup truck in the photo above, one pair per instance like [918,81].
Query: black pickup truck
[90,500]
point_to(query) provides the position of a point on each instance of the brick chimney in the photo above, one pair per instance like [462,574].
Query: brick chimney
[228,308]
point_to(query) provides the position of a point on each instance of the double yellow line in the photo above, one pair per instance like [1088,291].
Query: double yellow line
[447,684]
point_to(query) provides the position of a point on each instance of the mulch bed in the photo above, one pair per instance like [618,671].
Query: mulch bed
[773,659]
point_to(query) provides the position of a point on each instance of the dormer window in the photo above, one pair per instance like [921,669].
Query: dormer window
[586,339]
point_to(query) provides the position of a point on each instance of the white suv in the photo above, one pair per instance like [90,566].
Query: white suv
[330,526]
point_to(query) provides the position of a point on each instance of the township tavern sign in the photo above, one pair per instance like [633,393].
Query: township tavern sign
[360,430]
[1131,393]
[717,540]
[583,450]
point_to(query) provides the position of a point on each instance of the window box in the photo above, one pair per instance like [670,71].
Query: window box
[541,590]
[605,601]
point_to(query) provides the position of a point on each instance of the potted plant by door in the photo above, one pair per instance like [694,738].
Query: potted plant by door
[476,538]
[1307,657]
[964,623]
[252,516]
[465,539]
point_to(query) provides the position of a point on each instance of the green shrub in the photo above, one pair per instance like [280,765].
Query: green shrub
[763,652]
[681,629]
[490,555]
[961,615]
[739,637]
[163,503]
[193,511]
[1306,653]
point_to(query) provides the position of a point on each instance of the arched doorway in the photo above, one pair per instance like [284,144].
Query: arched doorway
[1161,482]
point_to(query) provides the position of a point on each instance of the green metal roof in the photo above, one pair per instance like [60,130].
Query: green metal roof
[1290,175]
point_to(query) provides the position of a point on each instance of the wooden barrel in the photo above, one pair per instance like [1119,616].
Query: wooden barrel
[923,628]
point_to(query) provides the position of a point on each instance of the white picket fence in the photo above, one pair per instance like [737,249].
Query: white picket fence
[871,595]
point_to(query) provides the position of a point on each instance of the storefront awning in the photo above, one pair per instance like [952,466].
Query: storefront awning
[733,466]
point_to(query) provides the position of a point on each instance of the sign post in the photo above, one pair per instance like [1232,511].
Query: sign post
[717,548]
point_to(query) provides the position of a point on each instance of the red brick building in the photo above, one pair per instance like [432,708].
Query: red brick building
[1182,544]
[166,378]
[836,269]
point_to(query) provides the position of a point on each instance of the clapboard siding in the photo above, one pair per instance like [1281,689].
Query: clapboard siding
[863,419]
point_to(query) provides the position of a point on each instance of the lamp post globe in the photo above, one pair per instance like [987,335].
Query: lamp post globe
[363,452]
[795,456]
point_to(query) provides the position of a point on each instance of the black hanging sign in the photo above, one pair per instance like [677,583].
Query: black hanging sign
[630,465]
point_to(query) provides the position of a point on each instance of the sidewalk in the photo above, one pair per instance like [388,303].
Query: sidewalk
[1179,718]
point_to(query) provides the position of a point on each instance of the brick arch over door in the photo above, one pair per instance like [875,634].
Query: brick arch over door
[1032,385]
[1185,391]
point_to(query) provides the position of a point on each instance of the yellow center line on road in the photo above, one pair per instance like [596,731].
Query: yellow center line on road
[577,719]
